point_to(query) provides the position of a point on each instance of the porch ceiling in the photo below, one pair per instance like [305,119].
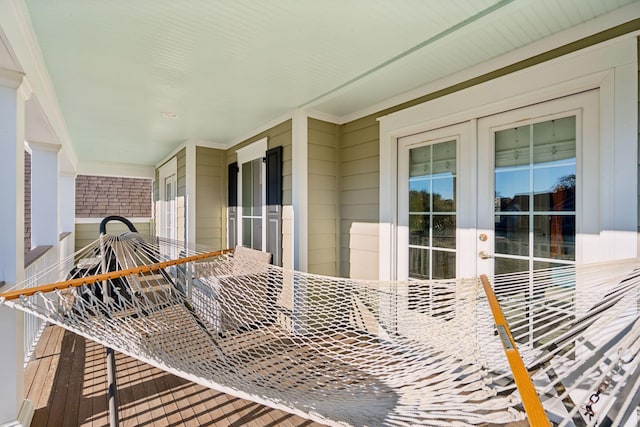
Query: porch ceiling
[228,67]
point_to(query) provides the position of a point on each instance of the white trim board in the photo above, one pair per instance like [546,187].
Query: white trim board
[125,170]
[25,415]
[190,191]
[299,190]
[249,153]
[99,220]
[252,151]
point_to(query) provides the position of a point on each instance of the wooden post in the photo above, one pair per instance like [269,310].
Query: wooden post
[532,405]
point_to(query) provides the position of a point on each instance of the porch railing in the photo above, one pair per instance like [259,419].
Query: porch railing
[37,261]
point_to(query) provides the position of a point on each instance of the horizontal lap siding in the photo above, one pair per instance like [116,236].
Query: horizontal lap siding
[323,197]
[359,198]
[210,197]
[87,233]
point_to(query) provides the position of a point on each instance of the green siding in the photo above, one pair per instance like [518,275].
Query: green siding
[210,197]
[323,197]
[359,196]
[87,233]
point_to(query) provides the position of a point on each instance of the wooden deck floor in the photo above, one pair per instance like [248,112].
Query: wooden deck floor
[66,381]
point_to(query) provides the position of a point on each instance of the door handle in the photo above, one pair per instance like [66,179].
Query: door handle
[484,255]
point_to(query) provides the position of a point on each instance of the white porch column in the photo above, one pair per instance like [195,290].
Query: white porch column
[14,90]
[300,188]
[300,201]
[67,204]
[44,194]
[190,202]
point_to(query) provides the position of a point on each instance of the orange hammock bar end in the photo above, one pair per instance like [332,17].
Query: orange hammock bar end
[532,405]
[16,293]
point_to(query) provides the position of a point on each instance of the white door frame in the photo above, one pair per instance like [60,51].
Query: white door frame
[608,67]
[256,150]
[465,195]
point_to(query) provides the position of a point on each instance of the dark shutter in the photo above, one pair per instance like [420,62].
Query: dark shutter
[273,162]
[232,205]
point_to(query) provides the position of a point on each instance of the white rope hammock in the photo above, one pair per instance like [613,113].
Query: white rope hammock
[348,352]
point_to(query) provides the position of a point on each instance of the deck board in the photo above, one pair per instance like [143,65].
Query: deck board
[66,381]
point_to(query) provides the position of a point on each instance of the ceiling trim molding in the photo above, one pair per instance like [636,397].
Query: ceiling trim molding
[188,143]
[10,78]
[273,123]
[171,155]
[44,146]
[127,170]
[325,117]
[610,21]
[16,23]
[206,144]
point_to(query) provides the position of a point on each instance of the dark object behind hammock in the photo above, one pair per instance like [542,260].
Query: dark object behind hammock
[118,288]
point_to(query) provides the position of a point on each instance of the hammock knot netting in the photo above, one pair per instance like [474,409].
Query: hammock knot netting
[352,352]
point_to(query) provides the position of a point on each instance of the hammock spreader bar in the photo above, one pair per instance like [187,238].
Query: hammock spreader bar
[531,401]
[16,293]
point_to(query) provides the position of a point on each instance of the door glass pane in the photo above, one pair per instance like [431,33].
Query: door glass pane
[536,163]
[512,175]
[512,234]
[256,183]
[419,263]
[443,176]
[252,204]
[247,188]
[170,207]
[432,211]
[554,236]
[246,232]
[444,231]
[256,243]
[444,264]
[511,265]
[554,171]
[419,229]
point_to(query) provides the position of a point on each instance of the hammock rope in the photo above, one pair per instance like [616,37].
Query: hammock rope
[349,352]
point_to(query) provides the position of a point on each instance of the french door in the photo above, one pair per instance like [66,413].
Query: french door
[511,192]
[538,185]
[167,223]
[436,204]
[251,193]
